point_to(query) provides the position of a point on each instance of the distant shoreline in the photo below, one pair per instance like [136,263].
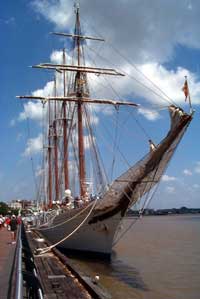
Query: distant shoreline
[164,212]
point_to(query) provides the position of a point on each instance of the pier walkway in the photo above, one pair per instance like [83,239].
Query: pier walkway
[59,278]
[25,274]
[7,251]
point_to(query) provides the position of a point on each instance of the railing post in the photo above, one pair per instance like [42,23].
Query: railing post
[19,278]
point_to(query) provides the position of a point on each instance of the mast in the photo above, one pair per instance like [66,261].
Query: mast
[49,161]
[65,143]
[79,94]
[55,138]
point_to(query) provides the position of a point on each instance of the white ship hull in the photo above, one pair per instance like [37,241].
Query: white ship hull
[95,238]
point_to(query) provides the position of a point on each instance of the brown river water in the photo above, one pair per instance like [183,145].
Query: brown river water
[159,258]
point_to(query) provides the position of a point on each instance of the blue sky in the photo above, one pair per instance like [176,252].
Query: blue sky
[161,39]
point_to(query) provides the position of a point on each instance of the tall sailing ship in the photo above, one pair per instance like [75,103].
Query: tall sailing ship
[85,211]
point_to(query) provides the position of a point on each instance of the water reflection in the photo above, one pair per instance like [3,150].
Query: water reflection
[115,269]
[127,274]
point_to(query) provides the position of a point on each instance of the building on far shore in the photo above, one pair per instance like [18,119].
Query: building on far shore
[15,204]
[22,204]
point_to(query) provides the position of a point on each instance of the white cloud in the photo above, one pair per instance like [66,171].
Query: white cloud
[34,146]
[86,139]
[149,114]
[12,122]
[8,21]
[143,30]
[57,57]
[148,47]
[187,172]
[93,119]
[197,167]
[140,40]
[167,178]
[35,110]
[32,110]
[1,176]
[170,189]
[19,136]
[39,171]
[169,81]
[46,91]
[87,142]
[196,186]
[54,11]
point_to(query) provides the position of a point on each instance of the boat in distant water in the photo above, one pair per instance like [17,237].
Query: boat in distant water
[84,211]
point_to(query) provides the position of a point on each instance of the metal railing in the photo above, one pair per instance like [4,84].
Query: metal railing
[19,275]
[24,281]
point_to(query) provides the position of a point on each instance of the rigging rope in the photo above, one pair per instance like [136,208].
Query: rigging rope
[138,81]
[143,208]
[130,63]
[119,96]
[124,160]
[69,235]
[147,78]
[31,158]
[136,219]
[96,153]
[66,221]
[43,154]
[115,142]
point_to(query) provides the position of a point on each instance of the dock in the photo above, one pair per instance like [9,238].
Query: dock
[26,274]
[7,255]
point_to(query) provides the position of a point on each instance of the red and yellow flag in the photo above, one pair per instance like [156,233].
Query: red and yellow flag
[185,89]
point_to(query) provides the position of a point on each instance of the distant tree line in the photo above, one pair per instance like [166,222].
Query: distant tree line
[6,210]
[173,211]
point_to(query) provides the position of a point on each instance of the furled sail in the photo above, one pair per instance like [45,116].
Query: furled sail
[127,189]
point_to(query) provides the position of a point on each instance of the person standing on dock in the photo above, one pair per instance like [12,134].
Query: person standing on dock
[1,221]
[13,228]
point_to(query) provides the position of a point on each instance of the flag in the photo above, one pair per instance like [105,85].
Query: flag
[185,89]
